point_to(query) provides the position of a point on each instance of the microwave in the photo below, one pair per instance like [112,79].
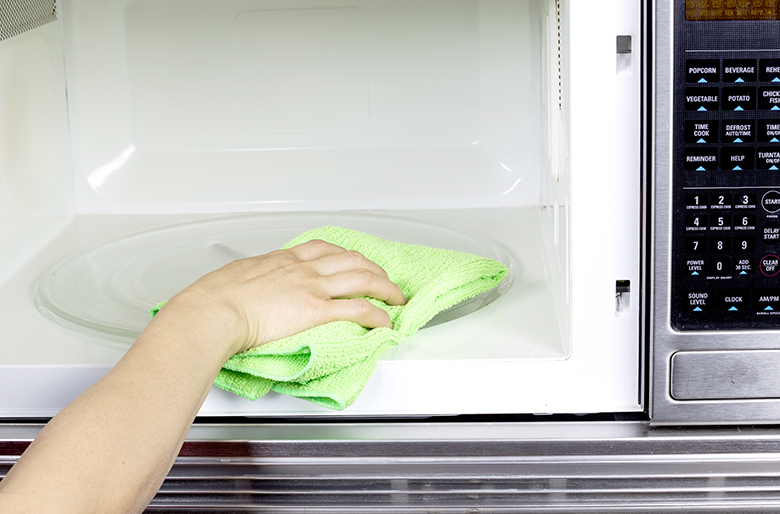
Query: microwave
[621,160]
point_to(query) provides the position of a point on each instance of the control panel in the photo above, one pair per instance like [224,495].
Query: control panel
[726,180]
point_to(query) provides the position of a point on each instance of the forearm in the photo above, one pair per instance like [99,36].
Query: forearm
[110,449]
[121,436]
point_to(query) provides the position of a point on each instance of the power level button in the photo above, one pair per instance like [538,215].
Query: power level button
[771,201]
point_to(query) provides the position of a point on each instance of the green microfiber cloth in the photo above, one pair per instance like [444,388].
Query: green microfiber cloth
[329,364]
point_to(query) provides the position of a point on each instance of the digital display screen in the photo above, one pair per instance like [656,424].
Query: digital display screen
[698,10]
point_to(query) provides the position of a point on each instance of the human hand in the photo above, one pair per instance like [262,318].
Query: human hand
[272,296]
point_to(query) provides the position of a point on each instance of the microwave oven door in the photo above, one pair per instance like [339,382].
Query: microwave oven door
[146,143]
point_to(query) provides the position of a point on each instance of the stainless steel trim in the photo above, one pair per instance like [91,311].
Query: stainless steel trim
[467,467]
[723,375]
[664,409]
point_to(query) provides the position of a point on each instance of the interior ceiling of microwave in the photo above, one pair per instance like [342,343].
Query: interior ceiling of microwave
[110,288]
[18,16]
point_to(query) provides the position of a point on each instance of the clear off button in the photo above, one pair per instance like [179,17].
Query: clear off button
[770,265]
[771,201]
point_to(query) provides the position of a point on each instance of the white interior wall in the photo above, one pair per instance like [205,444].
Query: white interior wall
[36,186]
[244,105]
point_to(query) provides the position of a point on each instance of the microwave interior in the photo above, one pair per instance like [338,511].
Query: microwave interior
[144,143]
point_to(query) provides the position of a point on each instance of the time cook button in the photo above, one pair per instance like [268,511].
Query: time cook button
[771,201]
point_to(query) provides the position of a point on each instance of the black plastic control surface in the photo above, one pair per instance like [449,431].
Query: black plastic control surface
[726,179]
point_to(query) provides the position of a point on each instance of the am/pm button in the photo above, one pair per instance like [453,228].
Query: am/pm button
[767,300]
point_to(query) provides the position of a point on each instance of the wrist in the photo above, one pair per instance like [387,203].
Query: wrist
[209,323]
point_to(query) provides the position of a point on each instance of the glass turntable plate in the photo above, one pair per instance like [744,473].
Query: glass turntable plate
[108,289]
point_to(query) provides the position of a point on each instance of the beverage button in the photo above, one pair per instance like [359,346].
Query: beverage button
[768,159]
[700,132]
[737,158]
[739,70]
[741,131]
[698,300]
[766,299]
[769,70]
[701,159]
[695,267]
[733,300]
[769,265]
[739,98]
[769,98]
[743,266]
[769,131]
[702,71]
[771,201]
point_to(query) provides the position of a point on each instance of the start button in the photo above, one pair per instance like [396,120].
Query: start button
[771,201]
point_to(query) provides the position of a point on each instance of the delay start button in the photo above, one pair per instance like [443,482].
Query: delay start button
[771,201]
[770,233]
[770,265]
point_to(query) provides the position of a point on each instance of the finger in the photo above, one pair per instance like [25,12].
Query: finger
[362,282]
[360,311]
[347,260]
[315,249]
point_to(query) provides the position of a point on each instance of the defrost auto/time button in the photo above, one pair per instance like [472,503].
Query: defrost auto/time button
[742,131]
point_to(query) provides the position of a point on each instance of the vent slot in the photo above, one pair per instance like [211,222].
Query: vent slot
[18,16]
